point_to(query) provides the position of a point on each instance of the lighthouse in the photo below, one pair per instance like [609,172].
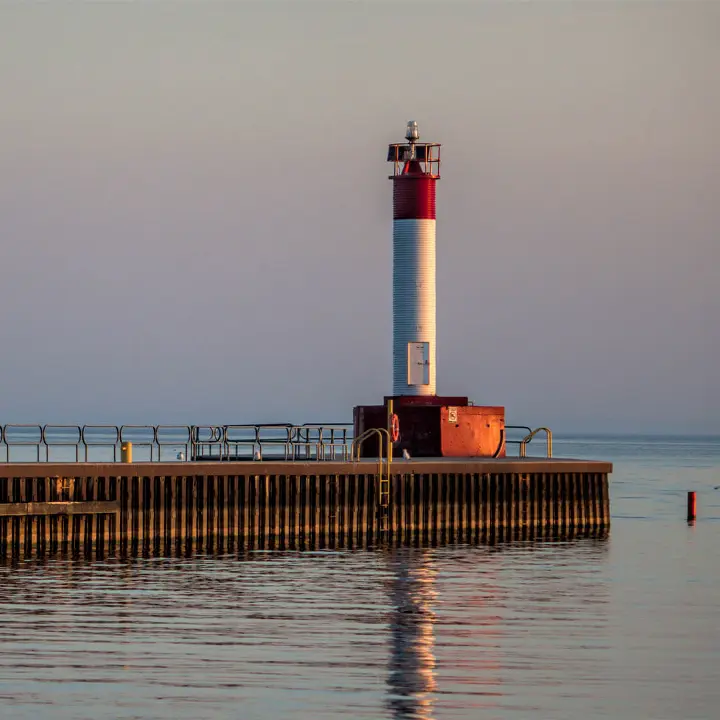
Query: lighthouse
[416,170]
[421,422]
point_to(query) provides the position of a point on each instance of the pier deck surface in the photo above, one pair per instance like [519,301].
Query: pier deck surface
[310,467]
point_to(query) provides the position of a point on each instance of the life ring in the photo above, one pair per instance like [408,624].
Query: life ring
[394,428]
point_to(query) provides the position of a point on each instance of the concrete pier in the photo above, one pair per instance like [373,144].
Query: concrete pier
[167,508]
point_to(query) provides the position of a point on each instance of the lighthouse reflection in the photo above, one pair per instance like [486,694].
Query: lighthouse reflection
[411,667]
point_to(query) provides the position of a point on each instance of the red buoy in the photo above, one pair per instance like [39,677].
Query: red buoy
[691,507]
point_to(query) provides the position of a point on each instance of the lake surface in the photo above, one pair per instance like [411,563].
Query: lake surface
[625,627]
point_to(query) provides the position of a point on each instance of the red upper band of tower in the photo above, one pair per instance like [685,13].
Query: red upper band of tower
[414,193]
[416,170]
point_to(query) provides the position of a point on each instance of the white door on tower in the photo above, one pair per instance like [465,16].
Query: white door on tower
[418,363]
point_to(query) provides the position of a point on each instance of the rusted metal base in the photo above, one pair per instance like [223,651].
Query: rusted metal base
[182,507]
[435,426]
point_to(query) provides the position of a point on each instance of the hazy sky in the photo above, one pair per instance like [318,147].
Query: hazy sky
[195,215]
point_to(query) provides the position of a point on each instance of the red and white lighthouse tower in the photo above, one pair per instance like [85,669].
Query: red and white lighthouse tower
[416,172]
[422,423]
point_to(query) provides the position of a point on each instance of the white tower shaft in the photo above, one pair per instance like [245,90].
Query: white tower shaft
[414,307]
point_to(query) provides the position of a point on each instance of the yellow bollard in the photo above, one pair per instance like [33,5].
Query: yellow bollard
[126,452]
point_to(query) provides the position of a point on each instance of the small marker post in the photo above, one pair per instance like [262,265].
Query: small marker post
[691,507]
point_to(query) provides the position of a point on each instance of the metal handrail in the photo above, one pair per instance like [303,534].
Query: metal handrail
[324,438]
[527,438]
[20,440]
[49,441]
[212,437]
[531,435]
[360,439]
[279,441]
[141,436]
[112,441]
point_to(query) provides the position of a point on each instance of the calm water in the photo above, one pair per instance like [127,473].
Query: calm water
[627,627]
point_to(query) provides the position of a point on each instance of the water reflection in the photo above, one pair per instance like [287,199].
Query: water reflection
[455,629]
[473,611]
[411,668]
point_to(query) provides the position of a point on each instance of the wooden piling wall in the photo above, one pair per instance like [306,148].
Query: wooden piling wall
[171,508]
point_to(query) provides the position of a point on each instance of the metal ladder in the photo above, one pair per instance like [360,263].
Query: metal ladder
[383,477]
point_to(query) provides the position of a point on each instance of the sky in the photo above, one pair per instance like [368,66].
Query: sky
[196,223]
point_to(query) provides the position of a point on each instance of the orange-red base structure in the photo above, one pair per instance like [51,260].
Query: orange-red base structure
[436,427]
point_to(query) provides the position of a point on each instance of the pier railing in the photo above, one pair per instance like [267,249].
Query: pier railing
[159,443]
